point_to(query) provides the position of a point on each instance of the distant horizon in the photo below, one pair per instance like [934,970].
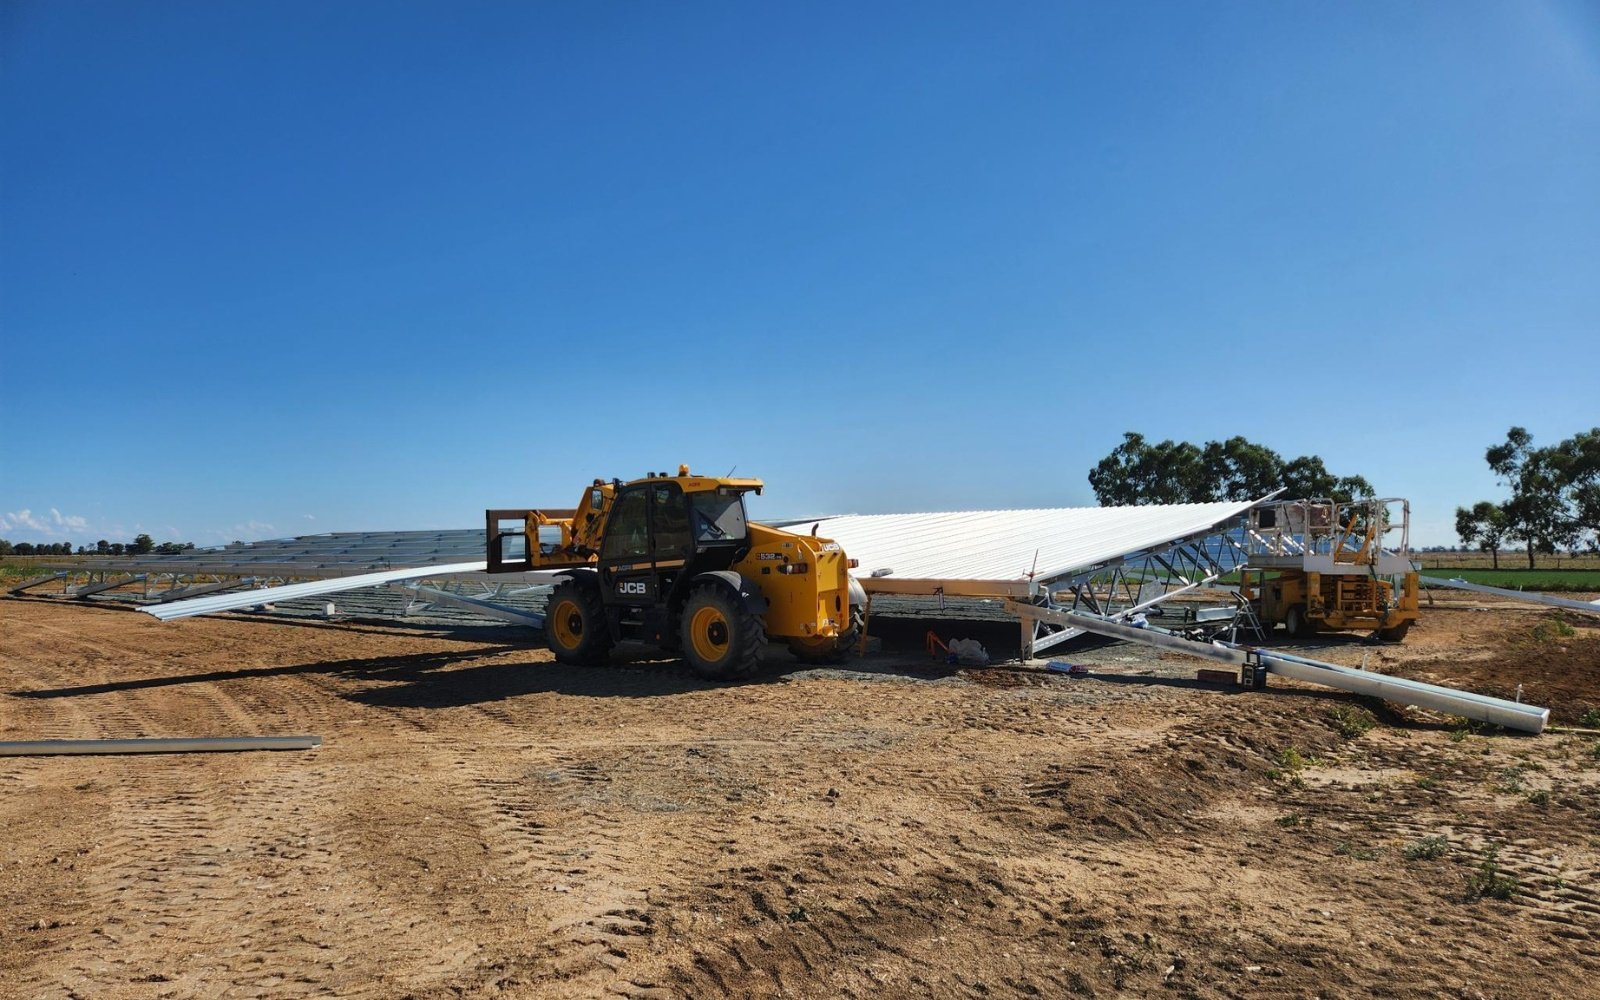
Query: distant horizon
[269,269]
[774,520]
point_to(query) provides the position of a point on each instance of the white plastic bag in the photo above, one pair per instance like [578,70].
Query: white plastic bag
[969,652]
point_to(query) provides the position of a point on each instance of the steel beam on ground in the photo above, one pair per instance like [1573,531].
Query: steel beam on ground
[1509,714]
[1515,595]
[433,595]
[36,581]
[190,592]
[95,588]
[209,744]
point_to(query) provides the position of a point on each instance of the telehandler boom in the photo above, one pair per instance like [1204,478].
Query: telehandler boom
[672,561]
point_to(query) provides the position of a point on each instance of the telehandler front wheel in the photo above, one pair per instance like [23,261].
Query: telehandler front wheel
[721,639]
[575,625]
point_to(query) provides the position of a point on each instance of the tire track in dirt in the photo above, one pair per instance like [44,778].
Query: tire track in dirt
[179,700]
[570,859]
[310,879]
[824,837]
[164,816]
[28,718]
[1557,888]
[218,837]
[864,921]
[1561,886]
[168,864]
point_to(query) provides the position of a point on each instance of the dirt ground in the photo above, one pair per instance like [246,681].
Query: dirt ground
[480,822]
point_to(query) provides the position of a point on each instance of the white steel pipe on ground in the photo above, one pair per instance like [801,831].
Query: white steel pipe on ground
[217,744]
[1509,714]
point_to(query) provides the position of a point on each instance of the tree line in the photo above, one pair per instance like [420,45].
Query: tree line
[1554,499]
[1137,471]
[140,546]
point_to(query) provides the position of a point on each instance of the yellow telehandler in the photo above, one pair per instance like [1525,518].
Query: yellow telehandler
[672,561]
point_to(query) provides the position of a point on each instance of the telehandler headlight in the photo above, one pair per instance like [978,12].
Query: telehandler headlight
[790,568]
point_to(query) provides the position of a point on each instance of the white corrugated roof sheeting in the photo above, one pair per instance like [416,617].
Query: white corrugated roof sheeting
[265,595]
[994,551]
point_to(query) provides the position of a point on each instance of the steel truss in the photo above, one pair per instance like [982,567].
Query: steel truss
[155,586]
[179,583]
[1120,588]
[483,599]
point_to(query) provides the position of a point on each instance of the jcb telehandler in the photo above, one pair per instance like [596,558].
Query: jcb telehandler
[672,561]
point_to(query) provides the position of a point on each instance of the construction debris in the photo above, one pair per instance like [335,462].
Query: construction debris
[1509,714]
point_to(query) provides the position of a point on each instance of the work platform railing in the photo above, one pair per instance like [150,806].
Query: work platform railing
[1356,537]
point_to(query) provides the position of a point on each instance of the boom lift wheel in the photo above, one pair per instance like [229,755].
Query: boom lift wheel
[1295,621]
[721,639]
[575,625]
[1394,633]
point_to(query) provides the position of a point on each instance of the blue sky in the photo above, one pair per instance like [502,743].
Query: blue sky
[270,268]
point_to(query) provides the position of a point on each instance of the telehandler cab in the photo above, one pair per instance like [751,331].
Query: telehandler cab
[672,561]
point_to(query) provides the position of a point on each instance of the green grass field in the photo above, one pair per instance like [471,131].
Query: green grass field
[14,569]
[21,567]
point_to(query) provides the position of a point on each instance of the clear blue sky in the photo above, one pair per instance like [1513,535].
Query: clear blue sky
[277,267]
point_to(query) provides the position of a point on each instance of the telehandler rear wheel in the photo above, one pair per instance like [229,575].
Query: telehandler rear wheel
[721,640]
[575,625]
[841,649]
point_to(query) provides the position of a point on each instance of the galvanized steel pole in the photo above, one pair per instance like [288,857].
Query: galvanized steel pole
[217,744]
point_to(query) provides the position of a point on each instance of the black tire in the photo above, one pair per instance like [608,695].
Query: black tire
[721,639]
[843,648]
[575,625]
[1395,634]
[1295,622]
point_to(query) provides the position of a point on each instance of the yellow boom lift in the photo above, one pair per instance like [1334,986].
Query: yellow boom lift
[672,561]
[1324,565]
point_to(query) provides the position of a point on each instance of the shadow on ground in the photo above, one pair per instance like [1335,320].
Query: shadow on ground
[450,679]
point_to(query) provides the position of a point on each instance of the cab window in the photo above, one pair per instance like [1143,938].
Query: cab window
[628,532]
[718,516]
[669,515]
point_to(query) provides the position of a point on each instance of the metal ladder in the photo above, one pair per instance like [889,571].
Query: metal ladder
[1245,620]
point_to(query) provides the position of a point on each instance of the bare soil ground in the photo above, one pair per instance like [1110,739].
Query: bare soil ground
[483,823]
